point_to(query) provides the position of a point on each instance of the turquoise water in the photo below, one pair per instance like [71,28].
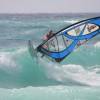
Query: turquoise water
[23,77]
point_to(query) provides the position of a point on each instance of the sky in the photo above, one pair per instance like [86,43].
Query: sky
[49,6]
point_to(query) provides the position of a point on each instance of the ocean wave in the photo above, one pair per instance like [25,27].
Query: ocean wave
[15,63]
[81,75]
[72,74]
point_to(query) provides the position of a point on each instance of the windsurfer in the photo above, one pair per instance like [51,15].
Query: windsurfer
[48,35]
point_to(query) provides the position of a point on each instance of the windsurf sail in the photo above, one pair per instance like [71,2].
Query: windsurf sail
[62,43]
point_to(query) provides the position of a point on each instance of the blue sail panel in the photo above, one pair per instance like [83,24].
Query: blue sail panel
[62,43]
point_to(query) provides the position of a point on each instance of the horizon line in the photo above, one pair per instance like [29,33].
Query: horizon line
[50,13]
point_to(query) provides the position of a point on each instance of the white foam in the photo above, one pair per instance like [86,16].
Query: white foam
[97,44]
[71,21]
[8,61]
[21,50]
[75,73]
